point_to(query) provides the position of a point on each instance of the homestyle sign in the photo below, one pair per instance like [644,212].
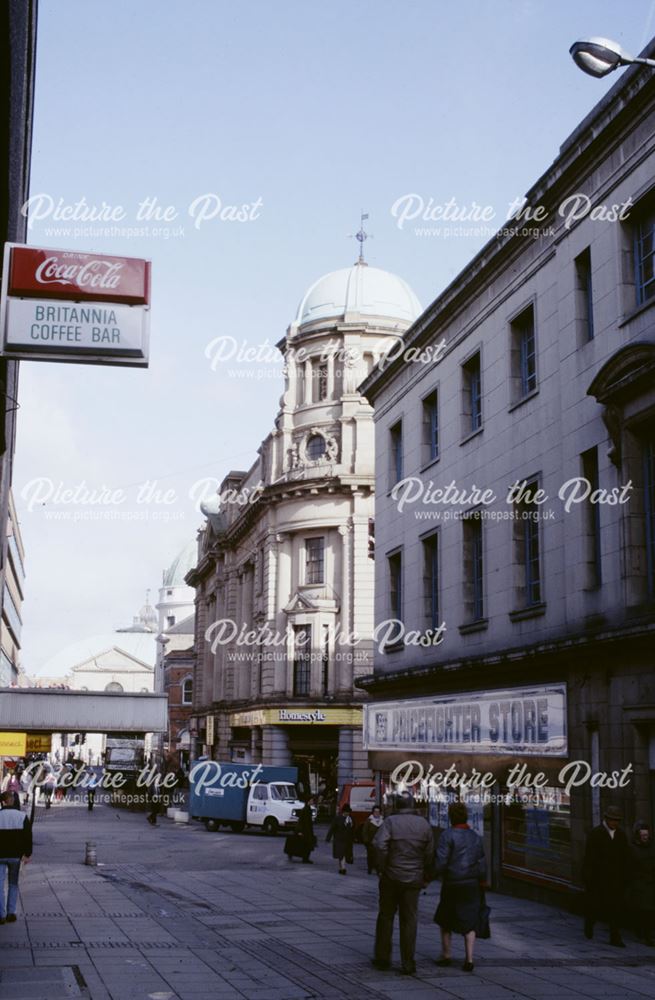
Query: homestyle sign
[62,305]
[529,721]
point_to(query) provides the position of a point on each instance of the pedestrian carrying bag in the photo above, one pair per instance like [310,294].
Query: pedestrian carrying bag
[483,930]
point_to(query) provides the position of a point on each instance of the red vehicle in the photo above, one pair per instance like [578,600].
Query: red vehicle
[361,797]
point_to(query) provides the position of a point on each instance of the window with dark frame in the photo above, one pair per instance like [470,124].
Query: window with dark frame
[315,447]
[431,579]
[473,566]
[431,427]
[396,585]
[472,394]
[187,691]
[648,472]
[644,256]
[315,560]
[591,513]
[302,660]
[321,381]
[396,452]
[523,354]
[526,538]
[585,295]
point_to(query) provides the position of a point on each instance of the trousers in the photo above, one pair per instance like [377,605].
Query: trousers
[401,898]
[11,867]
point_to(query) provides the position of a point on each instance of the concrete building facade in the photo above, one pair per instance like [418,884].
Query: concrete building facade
[284,580]
[528,617]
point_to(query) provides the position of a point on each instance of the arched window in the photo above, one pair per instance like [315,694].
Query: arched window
[114,686]
[187,691]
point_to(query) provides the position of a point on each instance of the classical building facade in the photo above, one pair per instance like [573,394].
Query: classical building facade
[121,661]
[284,580]
[536,609]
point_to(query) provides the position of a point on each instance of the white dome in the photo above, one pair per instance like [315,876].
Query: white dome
[359,290]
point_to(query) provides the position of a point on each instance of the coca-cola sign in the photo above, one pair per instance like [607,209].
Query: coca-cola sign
[65,274]
[80,308]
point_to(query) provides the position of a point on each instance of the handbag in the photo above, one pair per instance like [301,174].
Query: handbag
[483,930]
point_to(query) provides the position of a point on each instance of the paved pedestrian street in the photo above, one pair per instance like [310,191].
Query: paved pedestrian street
[176,912]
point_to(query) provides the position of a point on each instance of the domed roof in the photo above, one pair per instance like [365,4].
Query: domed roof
[361,290]
[178,569]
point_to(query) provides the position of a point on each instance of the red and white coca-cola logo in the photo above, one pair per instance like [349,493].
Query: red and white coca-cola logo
[65,274]
[93,274]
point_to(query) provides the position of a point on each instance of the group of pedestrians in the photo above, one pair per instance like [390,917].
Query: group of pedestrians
[400,849]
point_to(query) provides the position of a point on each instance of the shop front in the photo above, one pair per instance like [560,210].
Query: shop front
[502,752]
[324,742]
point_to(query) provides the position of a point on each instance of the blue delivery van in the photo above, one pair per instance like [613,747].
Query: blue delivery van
[240,795]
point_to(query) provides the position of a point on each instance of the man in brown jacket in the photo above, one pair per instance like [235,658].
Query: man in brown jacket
[405,851]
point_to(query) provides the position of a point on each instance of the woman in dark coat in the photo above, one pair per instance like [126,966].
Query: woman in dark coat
[302,841]
[342,833]
[641,890]
[461,863]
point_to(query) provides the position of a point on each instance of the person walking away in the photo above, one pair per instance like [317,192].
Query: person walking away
[404,852]
[15,844]
[303,841]
[605,870]
[342,834]
[49,786]
[91,789]
[461,863]
[641,886]
[369,830]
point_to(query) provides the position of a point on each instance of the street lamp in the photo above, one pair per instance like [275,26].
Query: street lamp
[599,56]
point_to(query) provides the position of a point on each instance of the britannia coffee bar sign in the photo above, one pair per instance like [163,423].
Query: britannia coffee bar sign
[530,721]
[61,305]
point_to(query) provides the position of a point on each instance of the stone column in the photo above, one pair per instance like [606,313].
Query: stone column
[343,672]
[275,746]
[345,759]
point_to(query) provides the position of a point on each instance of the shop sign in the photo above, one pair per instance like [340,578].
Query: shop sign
[12,744]
[38,743]
[209,732]
[298,716]
[527,721]
[62,305]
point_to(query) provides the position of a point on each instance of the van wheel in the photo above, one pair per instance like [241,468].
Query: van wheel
[237,827]
[271,826]
[212,825]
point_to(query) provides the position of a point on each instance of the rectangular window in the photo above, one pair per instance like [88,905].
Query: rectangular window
[526,547]
[591,514]
[396,452]
[523,353]
[321,381]
[585,303]
[648,463]
[644,253]
[396,585]
[315,560]
[431,579]
[302,659]
[472,395]
[473,567]
[430,428]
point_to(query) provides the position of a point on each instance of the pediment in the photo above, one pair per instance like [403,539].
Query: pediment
[112,659]
[626,374]
[300,603]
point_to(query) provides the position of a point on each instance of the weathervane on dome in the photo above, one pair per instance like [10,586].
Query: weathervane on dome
[361,236]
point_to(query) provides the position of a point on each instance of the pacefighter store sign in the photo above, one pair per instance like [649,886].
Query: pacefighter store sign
[530,721]
[61,305]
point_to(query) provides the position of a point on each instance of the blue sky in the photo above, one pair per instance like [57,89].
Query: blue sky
[310,112]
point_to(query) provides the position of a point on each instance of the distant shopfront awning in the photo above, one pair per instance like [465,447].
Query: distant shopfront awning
[59,711]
